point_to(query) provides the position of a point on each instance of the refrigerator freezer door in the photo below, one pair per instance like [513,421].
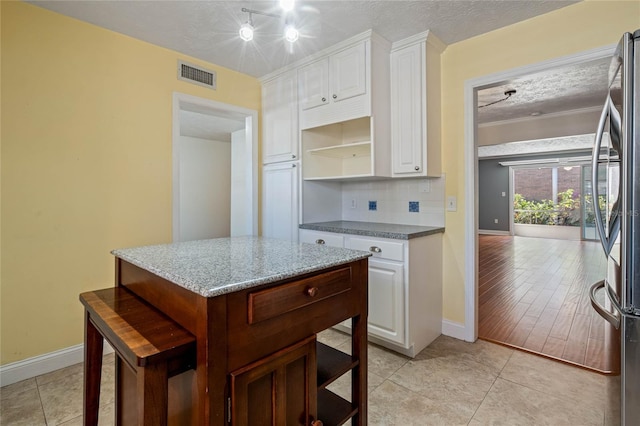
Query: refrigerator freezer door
[630,374]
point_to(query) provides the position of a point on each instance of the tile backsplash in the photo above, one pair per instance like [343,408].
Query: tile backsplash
[404,201]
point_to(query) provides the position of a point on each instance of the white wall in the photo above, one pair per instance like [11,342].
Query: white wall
[205,188]
[241,185]
[392,198]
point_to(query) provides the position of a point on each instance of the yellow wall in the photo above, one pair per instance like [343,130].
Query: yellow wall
[86,164]
[572,29]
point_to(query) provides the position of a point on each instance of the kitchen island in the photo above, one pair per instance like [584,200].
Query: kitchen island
[254,306]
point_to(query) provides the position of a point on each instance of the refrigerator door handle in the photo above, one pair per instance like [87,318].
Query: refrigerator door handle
[606,243]
[613,319]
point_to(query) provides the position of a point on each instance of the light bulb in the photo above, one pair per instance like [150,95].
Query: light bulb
[287,5]
[291,34]
[246,31]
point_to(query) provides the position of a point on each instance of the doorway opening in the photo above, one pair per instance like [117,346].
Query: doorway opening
[472,229]
[215,177]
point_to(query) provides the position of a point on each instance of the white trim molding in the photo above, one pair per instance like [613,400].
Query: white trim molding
[453,329]
[470,161]
[493,232]
[43,364]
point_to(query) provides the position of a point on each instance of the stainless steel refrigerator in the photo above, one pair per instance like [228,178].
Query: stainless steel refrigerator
[616,200]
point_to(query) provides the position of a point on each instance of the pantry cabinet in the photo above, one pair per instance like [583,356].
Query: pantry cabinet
[280,200]
[415,106]
[280,118]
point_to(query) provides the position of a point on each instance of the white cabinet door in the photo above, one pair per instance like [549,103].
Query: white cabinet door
[280,201]
[407,110]
[386,300]
[348,73]
[280,119]
[313,82]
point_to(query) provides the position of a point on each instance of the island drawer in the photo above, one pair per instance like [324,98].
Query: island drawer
[272,302]
[261,321]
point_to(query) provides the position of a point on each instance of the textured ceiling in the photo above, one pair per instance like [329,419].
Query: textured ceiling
[209,29]
[558,90]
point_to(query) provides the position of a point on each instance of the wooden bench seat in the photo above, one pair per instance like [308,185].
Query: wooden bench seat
[150,343]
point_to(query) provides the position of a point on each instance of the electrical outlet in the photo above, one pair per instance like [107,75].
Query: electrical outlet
[354,203]
[504,194]
[495,220]
[425,185]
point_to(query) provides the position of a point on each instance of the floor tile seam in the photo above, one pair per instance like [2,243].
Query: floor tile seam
[44,414]
[485,396]
[551,394]
[493,383]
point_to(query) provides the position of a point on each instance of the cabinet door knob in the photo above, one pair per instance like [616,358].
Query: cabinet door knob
[375,249]
[319,241]
[335,96]
[312,291]
[293,156]
[293,165]
[417,168]
[324,99]
[317,423]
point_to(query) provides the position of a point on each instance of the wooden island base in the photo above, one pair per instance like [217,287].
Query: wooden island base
[258,362]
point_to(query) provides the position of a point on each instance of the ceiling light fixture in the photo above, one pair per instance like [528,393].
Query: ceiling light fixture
[291,33]
[246,30]
[287,5]
[507,95]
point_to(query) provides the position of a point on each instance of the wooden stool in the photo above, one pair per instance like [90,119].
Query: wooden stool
[150,343]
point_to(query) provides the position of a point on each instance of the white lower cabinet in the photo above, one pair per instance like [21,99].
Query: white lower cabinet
[405,287]
[386,300]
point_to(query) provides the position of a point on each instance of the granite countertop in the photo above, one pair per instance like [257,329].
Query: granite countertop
[373,229]
[224,265]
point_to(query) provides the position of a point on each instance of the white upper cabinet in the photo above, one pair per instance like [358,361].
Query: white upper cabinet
[415,106]
[313,80]
[348,73]
[280,118]
[344,113]
[333,78]
[345,82]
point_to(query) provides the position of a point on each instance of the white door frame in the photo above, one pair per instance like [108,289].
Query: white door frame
[471,163]
[221,109]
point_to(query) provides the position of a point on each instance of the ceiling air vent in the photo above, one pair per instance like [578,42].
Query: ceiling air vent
[197,75]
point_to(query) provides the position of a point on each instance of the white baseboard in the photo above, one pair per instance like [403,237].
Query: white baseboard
[492,232]
[43,364]
[453,329]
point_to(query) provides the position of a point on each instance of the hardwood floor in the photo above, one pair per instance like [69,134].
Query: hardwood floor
[533,295]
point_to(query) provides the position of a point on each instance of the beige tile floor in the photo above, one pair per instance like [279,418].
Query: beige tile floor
[449,383]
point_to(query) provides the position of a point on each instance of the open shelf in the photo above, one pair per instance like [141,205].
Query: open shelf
[348,150]
[339,150]
[334,410]
[332,364]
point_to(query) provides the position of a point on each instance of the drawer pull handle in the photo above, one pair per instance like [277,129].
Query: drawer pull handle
[319,241]
[312,291]
[375,249]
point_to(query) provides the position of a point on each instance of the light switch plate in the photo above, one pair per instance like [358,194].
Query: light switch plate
[452,203]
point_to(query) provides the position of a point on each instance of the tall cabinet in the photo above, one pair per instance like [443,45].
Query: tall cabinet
[415,106]
[281,165]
